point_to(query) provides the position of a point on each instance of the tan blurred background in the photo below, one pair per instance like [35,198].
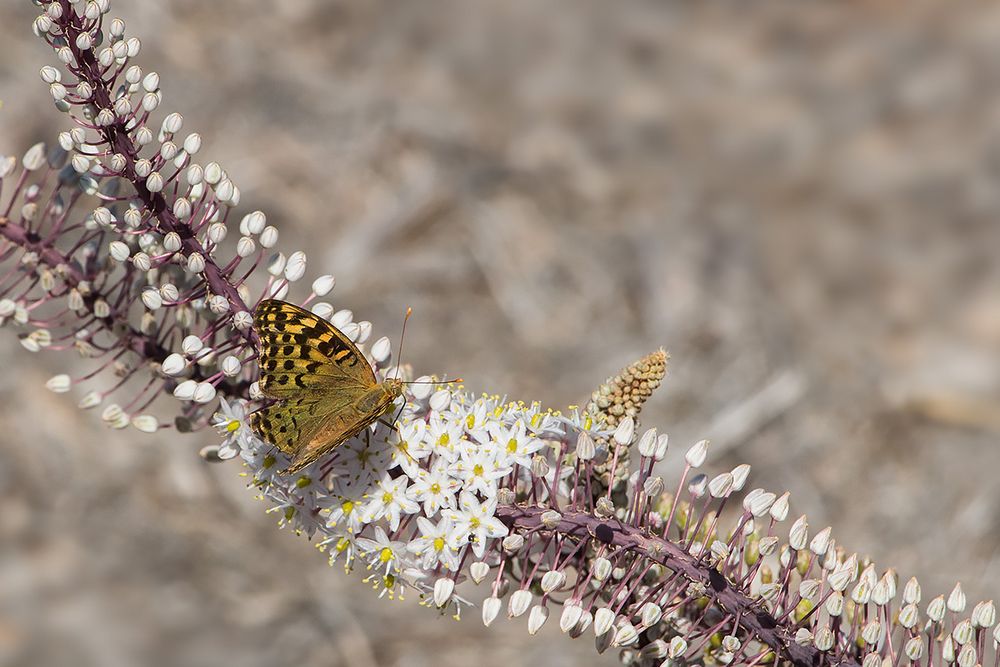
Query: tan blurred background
[799,200]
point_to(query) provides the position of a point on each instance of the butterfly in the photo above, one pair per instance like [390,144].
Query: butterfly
[326,391]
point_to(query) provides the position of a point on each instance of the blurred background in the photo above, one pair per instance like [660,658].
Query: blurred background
[799,201]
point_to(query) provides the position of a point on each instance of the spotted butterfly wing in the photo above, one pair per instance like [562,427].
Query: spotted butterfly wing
[325,389]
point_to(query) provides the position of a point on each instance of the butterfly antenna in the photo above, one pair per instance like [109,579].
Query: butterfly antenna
[402,334]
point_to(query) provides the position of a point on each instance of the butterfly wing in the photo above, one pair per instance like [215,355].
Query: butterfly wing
[303,355]
[338,426]
[287,424]
[315,372]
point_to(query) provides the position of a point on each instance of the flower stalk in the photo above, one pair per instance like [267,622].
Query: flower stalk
[116,243]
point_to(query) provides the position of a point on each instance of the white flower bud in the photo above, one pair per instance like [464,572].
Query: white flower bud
[80,163]
[216,232]
[122,107]
[230,366]
[296,266]
[323,285]
[242,320]
[322,309]
[911,592]
[171,242]
[151,82]
[602,569]
[151,299]
[182,208]
[758,502]
[440,400]
[678,645]
[984,615]
[625,431]
[185,390]
[967,656]
[50,74]
[809,589]
[570,615]
[478,571]
[956,601]
[192,144]
[585,447]
[696,456]
[908,616]
[537,618]
[214,173]
[365,331]
[443,588]
[204,393]
[821,541]
[553,580]
[278,290]
[603,620]
[625,635]
[225,190]
[491,608]
[174,364]
[245,246]
[269,237]
[651,613]
[141,261]
[914,648]
[512,543]
[253,223]
[84,41]
[342,318]
[647,443]
[721,485]
[173,123]
[154,182]
[191,345]
[91,400]
[194,175]
[145,423]
[59,384]
[195,262]
[218,304]
[779,510]
[382,350]
[118,250]
[34,157]
[520,600]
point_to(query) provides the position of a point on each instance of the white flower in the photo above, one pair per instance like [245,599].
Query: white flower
[476,522]
[357,463]
[345,513]
[409,446]
[444,436]
[478,469]
[341,544]
[435,488]
[476,419]
[231,421]
[433,545]
[514,444]
[390,499]
[383,554]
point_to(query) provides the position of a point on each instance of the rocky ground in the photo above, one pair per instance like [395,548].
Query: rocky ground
[799,200]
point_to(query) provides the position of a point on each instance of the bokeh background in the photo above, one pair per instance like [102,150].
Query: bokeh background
[800,201]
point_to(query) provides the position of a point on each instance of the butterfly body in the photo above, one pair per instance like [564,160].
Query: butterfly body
[324,389]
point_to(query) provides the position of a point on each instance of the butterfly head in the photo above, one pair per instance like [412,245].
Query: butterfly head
[393,387]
